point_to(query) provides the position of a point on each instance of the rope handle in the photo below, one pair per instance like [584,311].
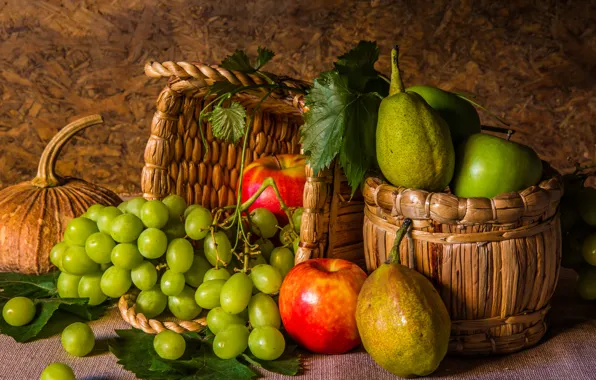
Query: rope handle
[128,312]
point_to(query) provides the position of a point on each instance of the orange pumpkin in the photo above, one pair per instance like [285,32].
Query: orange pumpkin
[34,214]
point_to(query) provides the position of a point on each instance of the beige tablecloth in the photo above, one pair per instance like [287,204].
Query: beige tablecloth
[567,352]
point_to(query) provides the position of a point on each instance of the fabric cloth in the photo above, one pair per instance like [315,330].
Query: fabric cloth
[567,352]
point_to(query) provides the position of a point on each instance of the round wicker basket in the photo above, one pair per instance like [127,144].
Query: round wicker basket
[495,262]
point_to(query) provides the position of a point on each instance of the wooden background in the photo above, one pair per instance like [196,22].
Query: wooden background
[533,62]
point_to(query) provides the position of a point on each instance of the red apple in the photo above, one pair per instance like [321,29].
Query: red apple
[317,303]
[287,170]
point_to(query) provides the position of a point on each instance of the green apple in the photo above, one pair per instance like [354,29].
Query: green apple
[487,166]
[586,204]
[460,115]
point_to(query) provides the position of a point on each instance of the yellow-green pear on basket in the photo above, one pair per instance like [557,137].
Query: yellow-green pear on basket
[414,147]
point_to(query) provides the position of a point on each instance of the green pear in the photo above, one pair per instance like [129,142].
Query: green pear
[487,166]
[414,147]
[460,115]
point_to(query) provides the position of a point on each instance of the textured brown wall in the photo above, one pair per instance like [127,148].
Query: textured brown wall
[530,61]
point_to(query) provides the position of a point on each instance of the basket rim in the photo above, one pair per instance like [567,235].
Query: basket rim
[532,203]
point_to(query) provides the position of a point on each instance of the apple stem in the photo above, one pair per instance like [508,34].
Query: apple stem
[399,235]
[509,133]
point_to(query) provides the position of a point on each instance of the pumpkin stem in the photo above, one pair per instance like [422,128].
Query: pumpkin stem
[46,171]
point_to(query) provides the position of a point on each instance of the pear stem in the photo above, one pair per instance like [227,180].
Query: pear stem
[396,85]
[399,235]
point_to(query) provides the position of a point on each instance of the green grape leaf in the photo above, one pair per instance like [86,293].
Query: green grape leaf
[264,55]
[228,123]
[134,350]
[357,66]
[324,123]
[25,285]
[49,319]
[238,62]
[287,364]
[358,152]
[343,105]
[222,87]
[53,313]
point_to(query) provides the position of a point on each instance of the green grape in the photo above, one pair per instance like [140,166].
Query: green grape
[57,252]
[283,259]
[264,222]
[169,345]
[184,306]
[179,255]
[208,293]
[589,249]
[195,275]
[123,207]
[93,212]
[296,245]
[134,206]
[78,339]
[243,314]
[115,281]
[18,311]
[78,230]
[297,219]
[586,283]
[57,371]
[263,311]
[68,285]
[266,343]
[89,287]
[175,204]
[197,223]
[256,260]
[154,214]
[99,247]
[287,235]
[236,293]
[126,228]
[152,243]
[216,274]
[104,267]
[105,217]
[144,276]
[152,302]
[190,208]
[126,255]
[231,342]
[266,247]
[172,283]
[76,261]
[266,278]
[218,320]
[219,246]
[174,229]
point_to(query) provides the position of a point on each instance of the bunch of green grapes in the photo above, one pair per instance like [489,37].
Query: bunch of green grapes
[186,260]
[578,222]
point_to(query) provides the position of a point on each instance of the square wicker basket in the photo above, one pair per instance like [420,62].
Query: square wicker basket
[175,160]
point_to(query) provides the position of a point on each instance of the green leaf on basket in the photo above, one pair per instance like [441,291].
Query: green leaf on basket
[26,285]
[238,62]
[134,350]
[264,55]
[228,123]
[342,118]
[222,87]
[47,308]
